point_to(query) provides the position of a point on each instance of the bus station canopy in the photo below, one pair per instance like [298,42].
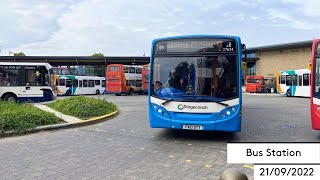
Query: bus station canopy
[79,60]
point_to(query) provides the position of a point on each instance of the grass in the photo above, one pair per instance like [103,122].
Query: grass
[83,107]
[20,117]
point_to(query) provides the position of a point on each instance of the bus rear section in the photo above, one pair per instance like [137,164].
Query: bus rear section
[255,84]
[116,79]
[293,82]
[315,85]
[145,78]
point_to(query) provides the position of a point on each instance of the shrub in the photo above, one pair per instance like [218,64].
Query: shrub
[22,116]
[83,107]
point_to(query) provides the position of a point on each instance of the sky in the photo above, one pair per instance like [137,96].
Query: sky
[127,27]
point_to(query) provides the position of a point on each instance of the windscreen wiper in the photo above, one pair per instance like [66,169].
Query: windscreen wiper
[168,100]
[211,100]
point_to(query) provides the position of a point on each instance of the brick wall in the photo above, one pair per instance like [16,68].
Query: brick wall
[272,61]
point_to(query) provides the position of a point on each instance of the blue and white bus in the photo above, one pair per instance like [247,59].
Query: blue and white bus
[195,83]
[26,82]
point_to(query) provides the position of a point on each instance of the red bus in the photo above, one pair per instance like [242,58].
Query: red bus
[255,84]
[315,85]
[145,78]
[123,79]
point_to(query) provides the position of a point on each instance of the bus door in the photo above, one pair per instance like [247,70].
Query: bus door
[34,80]
[76,87]
[306,85]
[299,86]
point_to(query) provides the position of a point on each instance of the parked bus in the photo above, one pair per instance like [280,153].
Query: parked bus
[77,85]
[123,79]
[293,82]
[26,82]
[315,85]
[145,78]
[195,83]
[255,84]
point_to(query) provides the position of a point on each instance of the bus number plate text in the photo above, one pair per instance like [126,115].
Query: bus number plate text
[192,127]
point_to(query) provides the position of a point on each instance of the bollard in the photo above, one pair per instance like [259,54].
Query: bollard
[233,174]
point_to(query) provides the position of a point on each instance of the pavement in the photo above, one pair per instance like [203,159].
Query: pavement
[66,118]
[125,147]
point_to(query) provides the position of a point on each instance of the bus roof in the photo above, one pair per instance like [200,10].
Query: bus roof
[47,65]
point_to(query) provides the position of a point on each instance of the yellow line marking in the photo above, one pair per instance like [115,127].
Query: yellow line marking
[248,166]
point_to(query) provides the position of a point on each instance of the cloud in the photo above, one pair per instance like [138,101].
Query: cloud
[121,27]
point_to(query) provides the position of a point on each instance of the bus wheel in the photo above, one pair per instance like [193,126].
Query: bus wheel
[288,93]
[68,93]
[97,91]
[10,98]
[130,92]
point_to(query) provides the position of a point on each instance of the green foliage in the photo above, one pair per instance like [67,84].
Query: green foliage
[83,107]
[21,117]
[19,54]
[97,55]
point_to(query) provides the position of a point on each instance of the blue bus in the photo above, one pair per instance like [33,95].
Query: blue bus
[195,83]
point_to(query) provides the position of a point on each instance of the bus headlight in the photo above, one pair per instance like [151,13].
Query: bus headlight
[233,109]
[222,115]
[228,112]
[157,108]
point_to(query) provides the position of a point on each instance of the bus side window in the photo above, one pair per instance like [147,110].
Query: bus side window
[305,79]
[104,83]
[288,80]
[85,83]
[80,83]
[91,83]
[62,82]
[138,70]
[283,79]
[138,83]
[125,69]
[75,83]
[97,82]
[68,82]
[294,80]
[300,80]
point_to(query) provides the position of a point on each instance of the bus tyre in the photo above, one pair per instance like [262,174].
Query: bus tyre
[288,93]
[68,93]
[10,97]
[97,91]
[130,92]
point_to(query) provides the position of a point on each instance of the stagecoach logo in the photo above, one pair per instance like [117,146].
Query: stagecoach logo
[161,47]
[181,107]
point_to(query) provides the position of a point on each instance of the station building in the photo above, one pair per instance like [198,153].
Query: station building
[267,60]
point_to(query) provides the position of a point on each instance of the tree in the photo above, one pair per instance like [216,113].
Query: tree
[19,54]
[98,70]
[97,55]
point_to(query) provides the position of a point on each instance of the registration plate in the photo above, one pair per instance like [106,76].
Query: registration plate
[192,127]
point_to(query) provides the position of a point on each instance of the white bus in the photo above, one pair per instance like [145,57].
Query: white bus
[78,85]
[26,82]
[294,82]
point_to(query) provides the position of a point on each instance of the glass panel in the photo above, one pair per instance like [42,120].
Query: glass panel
[283,79]
[62,82]
[103,83]
[91,83]
[288,80]
[9,77]
[97,82]
[305,79]
[201,77]
[69,83]
[85,83]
